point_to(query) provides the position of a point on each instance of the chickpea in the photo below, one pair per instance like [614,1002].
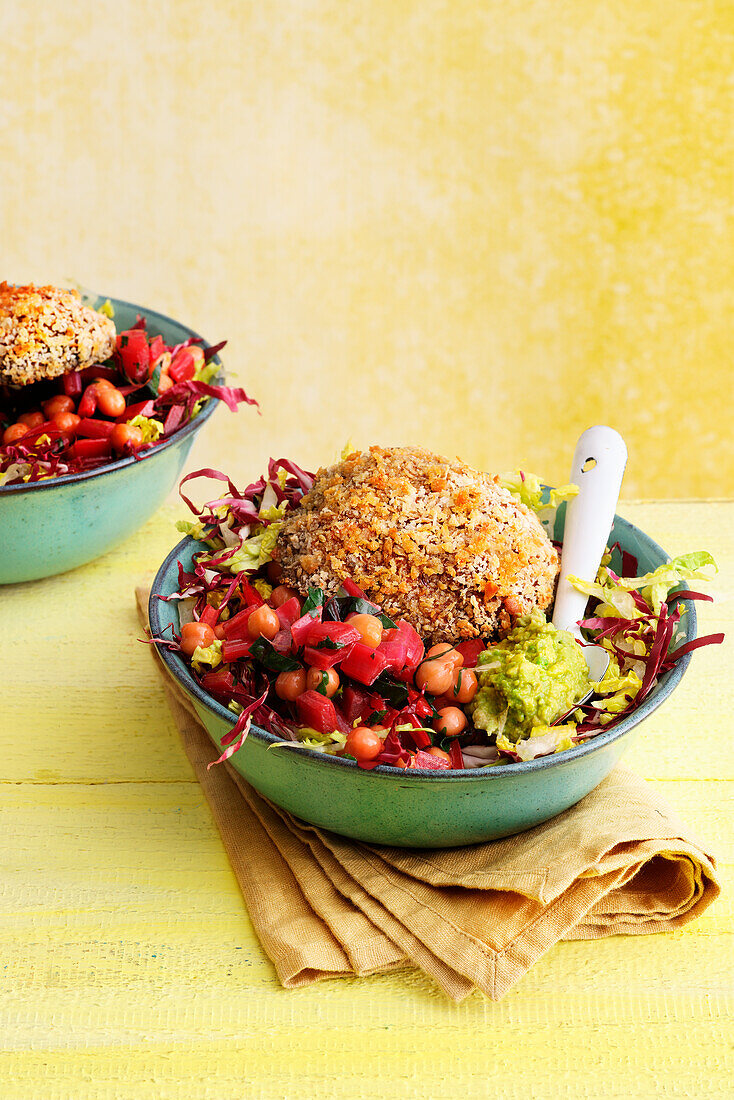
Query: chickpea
[369,628]
[289,685]
[444,651]
[32,419]
[450,722]
[124,434]
[263,622]
[110,401]
[65,422]
[465,686]
[435,676]
[314,681]
[363,743]
[194,635]
[281,595]
[435,751]
[14,433]
[59,403]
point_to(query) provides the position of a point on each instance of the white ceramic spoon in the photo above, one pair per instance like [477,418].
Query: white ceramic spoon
[598,468]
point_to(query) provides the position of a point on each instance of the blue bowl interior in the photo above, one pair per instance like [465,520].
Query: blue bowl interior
[649,555]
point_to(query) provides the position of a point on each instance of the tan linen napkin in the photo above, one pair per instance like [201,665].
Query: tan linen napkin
[620,861]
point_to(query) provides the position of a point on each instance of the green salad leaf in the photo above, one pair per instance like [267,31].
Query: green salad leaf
[528,489]
[655,587]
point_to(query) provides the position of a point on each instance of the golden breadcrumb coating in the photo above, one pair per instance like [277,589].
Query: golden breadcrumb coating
[435,542]
[46,332]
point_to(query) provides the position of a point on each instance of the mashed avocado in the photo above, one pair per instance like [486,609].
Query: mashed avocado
[529,679]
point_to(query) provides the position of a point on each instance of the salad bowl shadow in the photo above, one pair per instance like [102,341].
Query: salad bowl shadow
[52,526]
[416,808]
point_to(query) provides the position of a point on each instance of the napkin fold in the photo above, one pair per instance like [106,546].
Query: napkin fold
[619,862]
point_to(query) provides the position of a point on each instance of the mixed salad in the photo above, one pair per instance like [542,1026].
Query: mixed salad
[333,673]
[134,401]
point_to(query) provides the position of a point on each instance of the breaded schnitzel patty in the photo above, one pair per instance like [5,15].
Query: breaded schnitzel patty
[46,332]
[435,542]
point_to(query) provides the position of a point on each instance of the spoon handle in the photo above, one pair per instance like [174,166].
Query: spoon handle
[598,468]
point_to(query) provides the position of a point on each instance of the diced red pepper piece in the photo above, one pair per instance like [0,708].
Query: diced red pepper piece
[358,704]
[174,416]
[355,703]
[143,408]
[353,589]
[421,737]
[210,615]
[157,347]
[218,682]
[363,664]
[95,429]
[416,649]
[88,374]
[422,707]
[289,612]
[394,647]
[182,366]
[301,627]
[325,658]
[91,448]
[390,715]
[72,383]
[46,428]
[134,354]
[427,760]
[318,712]
[282,642]
[236,649]
[250,594]
[88,404]
[470,651]
[457,760]
[236,627]
[338,633]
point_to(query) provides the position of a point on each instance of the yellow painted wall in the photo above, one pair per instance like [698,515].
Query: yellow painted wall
[480,226]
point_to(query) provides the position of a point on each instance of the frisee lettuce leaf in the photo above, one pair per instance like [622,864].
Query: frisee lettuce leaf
[207,372]
[543,741]
[528,489]
[616,689]
[261,585]
[614,592]
[209,657]
[255,551]
[151,429]
[197,530]
[308,738]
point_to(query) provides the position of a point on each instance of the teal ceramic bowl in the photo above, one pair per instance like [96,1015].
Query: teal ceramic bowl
[417,809]
[61,523]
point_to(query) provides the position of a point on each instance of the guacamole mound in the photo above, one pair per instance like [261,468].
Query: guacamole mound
[529,679]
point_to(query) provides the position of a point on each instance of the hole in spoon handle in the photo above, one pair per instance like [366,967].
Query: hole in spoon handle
[598,468]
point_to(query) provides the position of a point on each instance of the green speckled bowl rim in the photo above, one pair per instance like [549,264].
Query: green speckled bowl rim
[121,463]
[179,670]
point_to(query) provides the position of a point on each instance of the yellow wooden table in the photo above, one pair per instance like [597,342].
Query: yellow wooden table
[129,966]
